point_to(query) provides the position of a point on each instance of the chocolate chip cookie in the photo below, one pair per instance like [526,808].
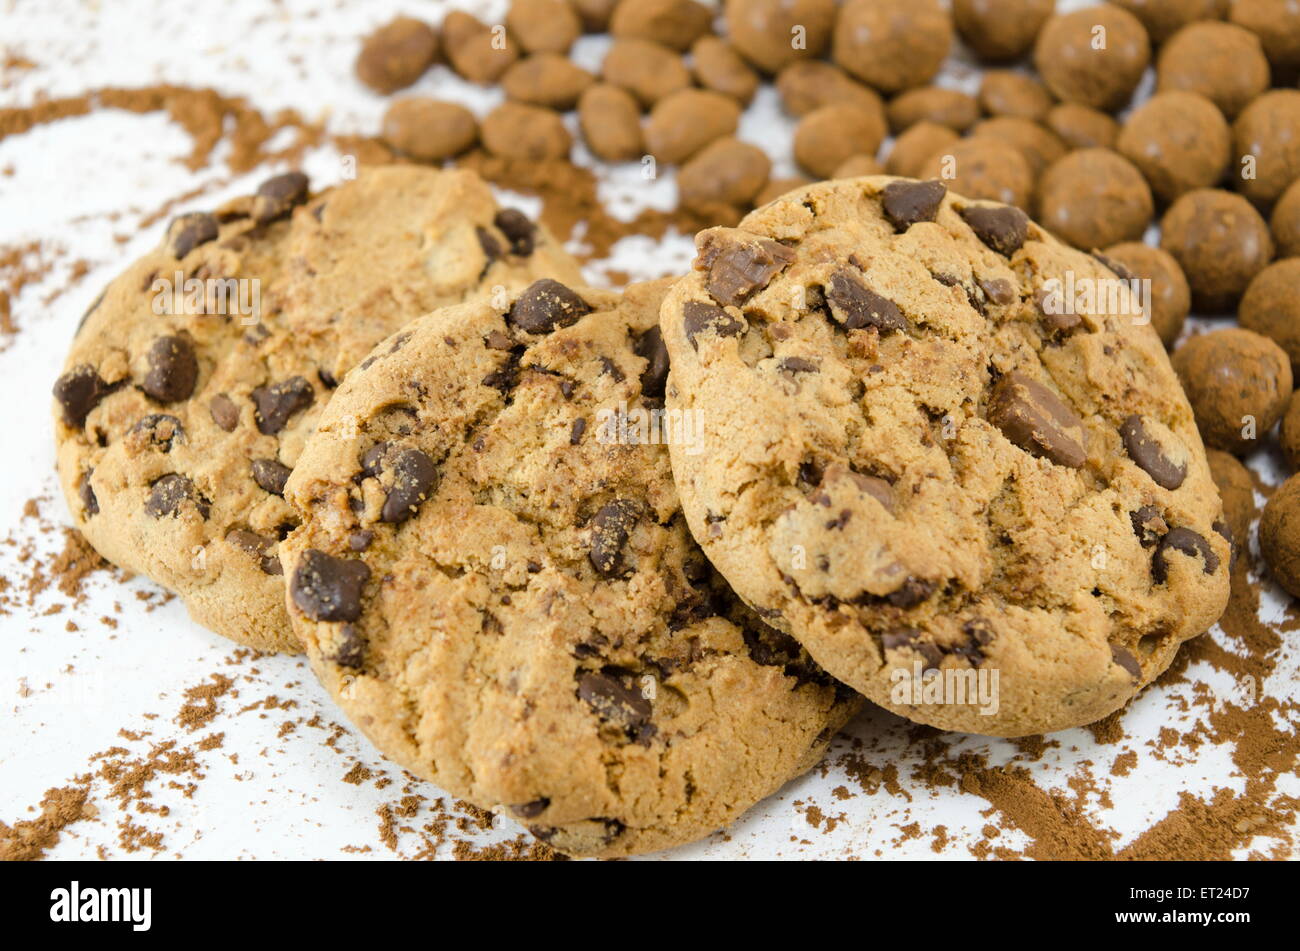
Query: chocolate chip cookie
[196,376]
[495,581]
[941,456]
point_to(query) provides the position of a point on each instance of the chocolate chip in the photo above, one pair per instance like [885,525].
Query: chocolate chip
[187,232]
[1187,542]
[650,347]
[351,650]
[698,317]
[491,247]
[610,698]
[519,231]
[738,264]
[1035,419]
[531,810]
[173,369]
[910,638]
[271,475]
[610,529]
[274,404]
[1226,534]
[78,392]
[1143,449]
[797,365]
[326,588]
[998,291]
[360,541]
[168,494]
[576,430]
[224,412]
[277,196]
[906,203]
[1124,658]
[496,340]
[547,305]
[979,635]
[414,476]
[160,430]
[258,546]
[856,306]
[87,494]
[1149,525]
[1002,228]
[912,592]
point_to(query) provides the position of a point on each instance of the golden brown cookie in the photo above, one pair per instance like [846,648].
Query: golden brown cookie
[923,453]
[495,581]
[176,431]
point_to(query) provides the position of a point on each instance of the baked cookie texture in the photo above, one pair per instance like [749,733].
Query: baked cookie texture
[495,581]
[176,432]
[916,459]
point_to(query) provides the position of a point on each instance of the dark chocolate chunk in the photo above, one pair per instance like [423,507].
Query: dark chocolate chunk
[224,412]
[1149,455]
[519,231]
[699,317]
[910,638]
[531,810]
[797,365]
[326,588]
[168,493]
[906,203]
[1002,228]
[1187,542]
[856,306]
[276,403]
[650,347]
[360,541]
[277,196]
[912,592]
[490,245]
[997,291]
[187,232]
[1036,420]
[351,650]
[739,264]
[1124,658]
[576,430]
[271,475]
[1148,525]
[161,430]
[173,369]
[78,392]
[611,698]
[87,494]
[547,305]
[610,528]
[414,476]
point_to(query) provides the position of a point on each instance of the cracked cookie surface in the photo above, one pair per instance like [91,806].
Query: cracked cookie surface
[495,581]
[919,456]
[176,431]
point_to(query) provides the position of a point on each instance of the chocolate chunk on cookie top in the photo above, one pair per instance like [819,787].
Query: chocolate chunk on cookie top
[938,443]
[182,409]
[495,580]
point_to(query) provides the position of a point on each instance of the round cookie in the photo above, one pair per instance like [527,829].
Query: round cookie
[495,581]
[919,458]
[176,431]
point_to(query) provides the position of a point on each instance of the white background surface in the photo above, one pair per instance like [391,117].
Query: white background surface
[267,793]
